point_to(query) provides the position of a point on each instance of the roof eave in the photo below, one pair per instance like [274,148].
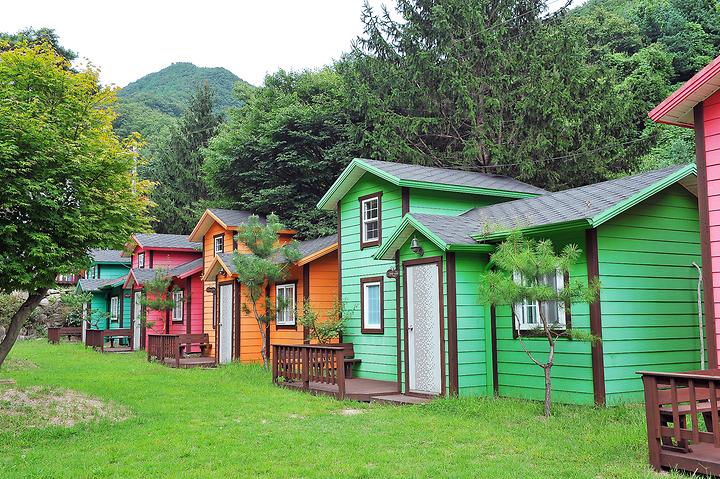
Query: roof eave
[466,189]
[318,254]
[387,250]
[533,230]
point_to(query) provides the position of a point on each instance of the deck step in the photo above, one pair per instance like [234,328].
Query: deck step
[399,399]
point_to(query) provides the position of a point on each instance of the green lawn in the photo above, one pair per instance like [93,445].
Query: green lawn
[231,422]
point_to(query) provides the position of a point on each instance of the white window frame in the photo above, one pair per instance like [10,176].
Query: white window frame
[141,260]
[221,241]
[365,221]
[522,310]
[366,306]
[114,309]
[285,316]
[178,312]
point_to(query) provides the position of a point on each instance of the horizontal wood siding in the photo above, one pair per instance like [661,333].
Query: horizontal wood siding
[447,203]
[170,259]
[378,352]
[110,271]
[711,124]
[195,314]
[649,291]
[572,373]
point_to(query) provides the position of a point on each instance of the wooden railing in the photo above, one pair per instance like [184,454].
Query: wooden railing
[95,338]
[172,346]
[308,363]
[54,334]
[670,398]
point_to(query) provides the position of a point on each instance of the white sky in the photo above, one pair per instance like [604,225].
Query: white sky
[251,38]
[132,38]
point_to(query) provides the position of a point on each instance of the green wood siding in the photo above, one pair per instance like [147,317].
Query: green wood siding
[447,203]
[109,271]
[649,291]
[377,351]
[572,372]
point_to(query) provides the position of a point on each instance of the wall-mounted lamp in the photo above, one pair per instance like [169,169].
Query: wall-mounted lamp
[416,248]
[392,273]
[210,289]
[221,272]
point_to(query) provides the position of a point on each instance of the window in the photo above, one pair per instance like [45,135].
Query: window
[371,299]
[285,304]
[370,220]
[218,244]
[114,309]
[527,313]
[141,260]
[177,312]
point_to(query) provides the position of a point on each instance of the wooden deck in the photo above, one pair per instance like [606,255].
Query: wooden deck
[683,420]
[191,362]
[357,389]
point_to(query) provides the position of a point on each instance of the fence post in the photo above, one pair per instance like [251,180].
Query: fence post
[652,417]
[340,368]
[275,363]
[305,367]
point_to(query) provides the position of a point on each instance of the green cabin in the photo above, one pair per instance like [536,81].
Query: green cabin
[414,243]
[109,307]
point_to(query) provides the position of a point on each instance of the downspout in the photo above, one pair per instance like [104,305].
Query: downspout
[700,315]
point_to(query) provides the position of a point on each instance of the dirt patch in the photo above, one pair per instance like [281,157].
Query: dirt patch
[350,412]
[38,407]
[18,365]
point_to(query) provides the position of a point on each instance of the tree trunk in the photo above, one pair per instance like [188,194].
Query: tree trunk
[17,321]
[548,389]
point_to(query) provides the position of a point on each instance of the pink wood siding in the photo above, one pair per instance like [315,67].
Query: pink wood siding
[170,259]
[711,123]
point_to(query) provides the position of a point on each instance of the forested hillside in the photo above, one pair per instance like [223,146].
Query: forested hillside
[152,104]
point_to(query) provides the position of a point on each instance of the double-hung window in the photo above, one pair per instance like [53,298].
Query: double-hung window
[371,299]
[114,309]
[141,260]
[178,303]
[285,304]
[528,313]
[218,244]
[370,220]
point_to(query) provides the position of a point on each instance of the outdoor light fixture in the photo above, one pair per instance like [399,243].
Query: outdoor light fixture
[221,272]
[210,289]
[416,248]
[392,273]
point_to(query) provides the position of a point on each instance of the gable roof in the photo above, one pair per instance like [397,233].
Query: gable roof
[427,177]
[186,269]
[221,261]
[139,276]
[87,284]
[313,249]
[163,241]
[108,256]
[677,109]
[227,219]
[585,207]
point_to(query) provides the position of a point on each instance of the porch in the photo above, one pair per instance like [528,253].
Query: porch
[97,339]
[174,350]
[321,369]
[682,420]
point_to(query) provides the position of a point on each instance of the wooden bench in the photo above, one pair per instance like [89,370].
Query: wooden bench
[187,341]
[54,334]
[350,359]
[703,406]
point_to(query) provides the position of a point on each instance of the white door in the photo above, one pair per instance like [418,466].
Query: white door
[225,323]
[137,320]
[423,321]
[84,321]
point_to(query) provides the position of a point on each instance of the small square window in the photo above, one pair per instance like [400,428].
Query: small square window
[285,304]
[141,260]
[219,244]
[177,312]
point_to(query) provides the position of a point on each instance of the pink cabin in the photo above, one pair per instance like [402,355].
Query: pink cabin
[683,409]
[179,259]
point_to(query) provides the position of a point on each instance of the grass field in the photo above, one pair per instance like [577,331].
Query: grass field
[153,421]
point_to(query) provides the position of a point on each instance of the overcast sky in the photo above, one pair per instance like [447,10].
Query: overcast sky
[132,38]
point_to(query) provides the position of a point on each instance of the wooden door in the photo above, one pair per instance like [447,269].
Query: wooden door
[225,323]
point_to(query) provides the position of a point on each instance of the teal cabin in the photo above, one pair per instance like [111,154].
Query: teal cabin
[109,307]
[415,242]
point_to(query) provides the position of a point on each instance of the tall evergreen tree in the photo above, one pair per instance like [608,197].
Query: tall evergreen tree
[180,193]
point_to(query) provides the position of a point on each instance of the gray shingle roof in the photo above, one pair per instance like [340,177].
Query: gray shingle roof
[186,267]
[143,274]
[156,240]
[582,203]
[312,246]
[227,259]
[234,217]
[431,174]
[108,256]
[87,284]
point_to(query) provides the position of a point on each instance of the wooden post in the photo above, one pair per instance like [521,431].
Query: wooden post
[652,412]
[275,364]
[340,368]
[305,368]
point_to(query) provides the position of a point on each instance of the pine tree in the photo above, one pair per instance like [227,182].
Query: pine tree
[180,192]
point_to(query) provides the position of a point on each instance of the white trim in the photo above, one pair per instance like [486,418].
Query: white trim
[286,315]
[364,222]
[221,241]
[141,264]
[114,309]
[366,306]
[179,306]
[526,315]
